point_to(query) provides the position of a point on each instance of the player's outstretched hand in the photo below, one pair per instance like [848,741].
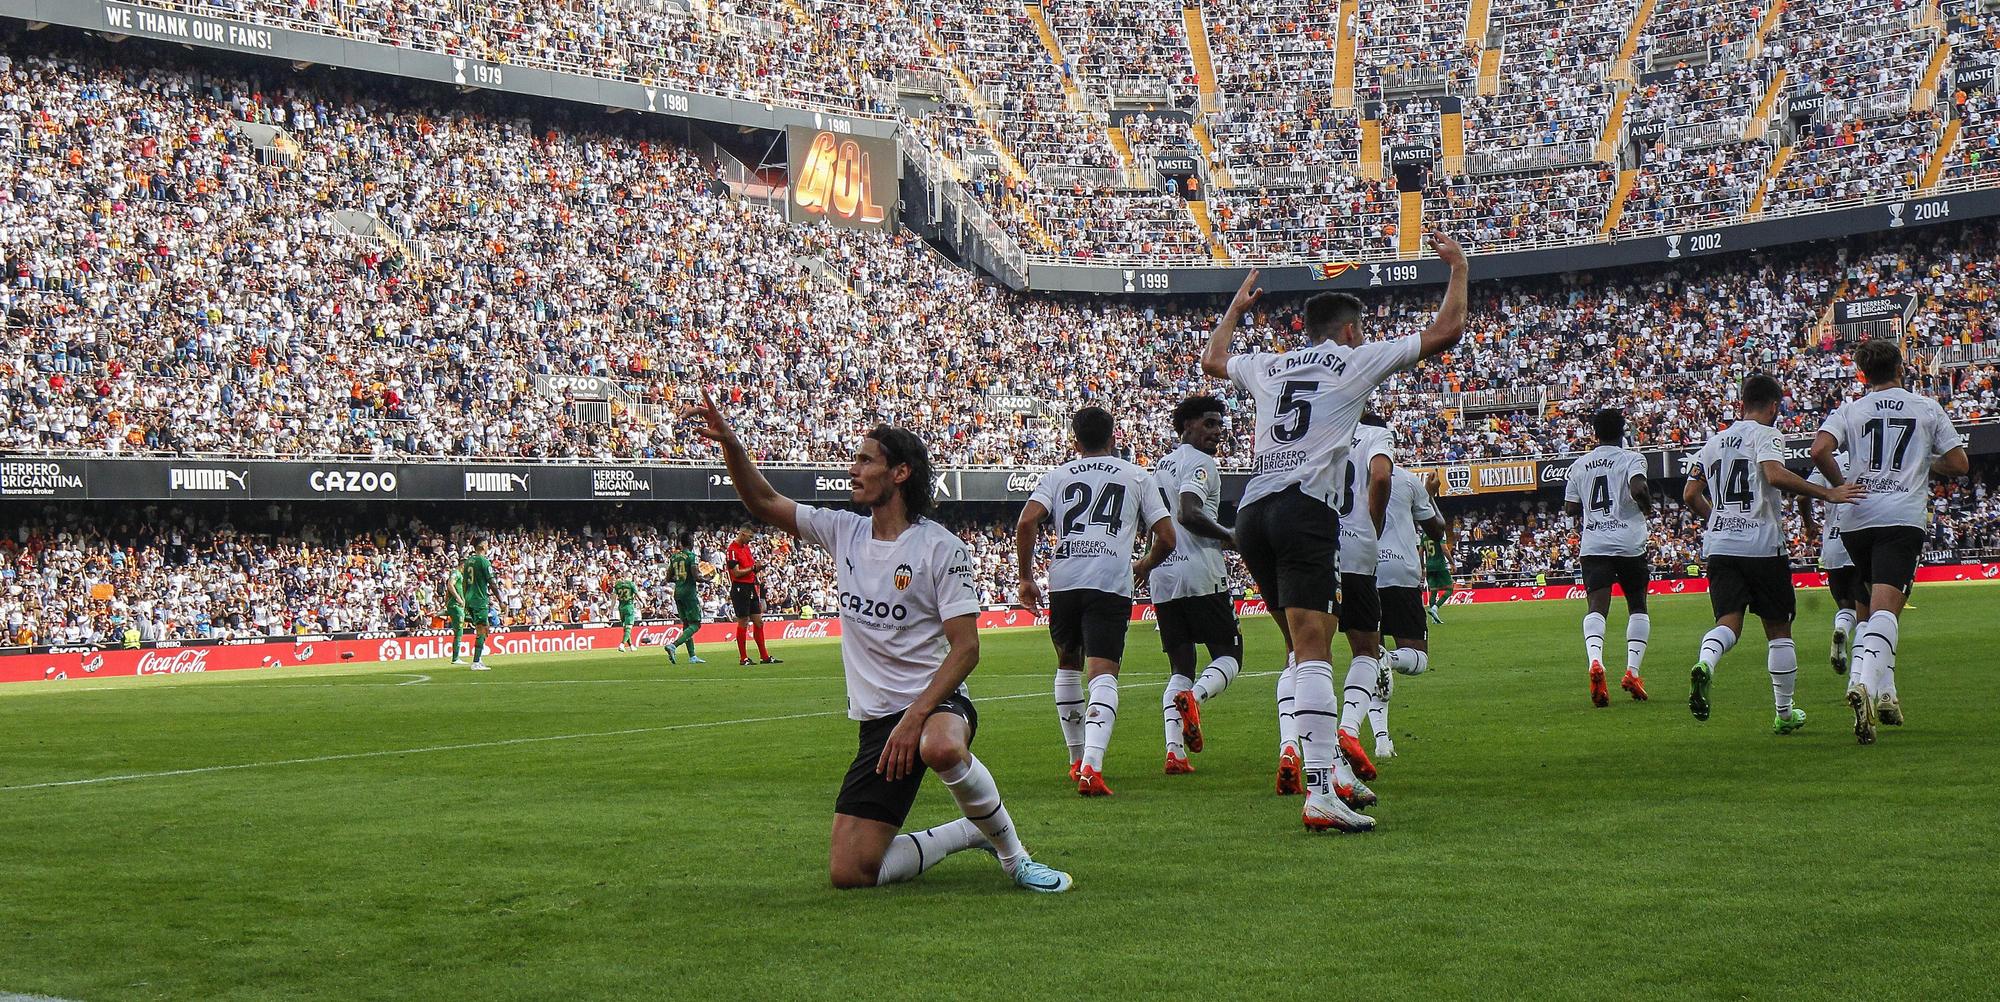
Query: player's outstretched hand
[1447,249]
[715,427]
[1031,597]
[899,753]
[1246,296]
[1847,493]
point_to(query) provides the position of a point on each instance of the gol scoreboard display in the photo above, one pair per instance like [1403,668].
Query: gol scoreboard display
[844,180]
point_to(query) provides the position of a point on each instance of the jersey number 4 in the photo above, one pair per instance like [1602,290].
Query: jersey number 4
[1736,489]
[1109,511]
[1600,494]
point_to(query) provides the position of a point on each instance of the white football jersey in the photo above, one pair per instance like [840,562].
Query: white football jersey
[1891,438]
[1358,552]
[894,598]
[1099,504]
[1308,401]
[1832,552]
[1402,560]
[1613,523]
[1196,566]
[1748,517]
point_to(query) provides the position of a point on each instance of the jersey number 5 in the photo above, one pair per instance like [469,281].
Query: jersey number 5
[1294,416]
[1109,510]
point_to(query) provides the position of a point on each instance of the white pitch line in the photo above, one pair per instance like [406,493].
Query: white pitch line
[507,742]
[414,679]
[5,997]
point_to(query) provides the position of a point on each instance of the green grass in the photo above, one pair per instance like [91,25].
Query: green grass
[1531,846]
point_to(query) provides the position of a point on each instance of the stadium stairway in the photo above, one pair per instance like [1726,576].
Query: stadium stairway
[1627,179]
[1614,125]
[1621,69]
[1343,56]
[970,95]
[1489,72]
[1947,139]
[1476,23]
[1199,210]
[1760,119]
[1071,91]
[1206,143]
[1451,128]
[1410,224]
[1755,47]
[1123,147]
[1926,92]
[1204,67]
[1370,165]
[1770,173]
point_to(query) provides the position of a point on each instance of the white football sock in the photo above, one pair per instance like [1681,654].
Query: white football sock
[912,853]
[1215,678]
[1715,645]
[1354,692]
[1409,661]
[1593,638]
[1288,723]
[1783,662]
[1378,699]
[1843,623]
[1069,710]
[1858,657]
[1638,632]
[972,787]
[1883,632]
[1099,719]
[1317,712]
[1176,684]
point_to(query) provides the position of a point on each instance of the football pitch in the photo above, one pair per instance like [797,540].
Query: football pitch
[608,826]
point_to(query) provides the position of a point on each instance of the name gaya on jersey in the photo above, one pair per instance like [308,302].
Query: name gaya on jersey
[1196,565]
[1613,523]
[1745,517]
[894,598]
[1099,505]
[1308,401]
[1892,437]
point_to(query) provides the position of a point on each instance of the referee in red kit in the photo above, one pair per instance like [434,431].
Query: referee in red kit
[747,595]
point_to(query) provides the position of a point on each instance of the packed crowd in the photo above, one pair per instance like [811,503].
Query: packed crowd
[83,574]
[176,288]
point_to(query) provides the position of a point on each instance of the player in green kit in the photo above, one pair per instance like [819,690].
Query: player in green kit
[1437,575]
[628,610]
[453,594]
[685,572]
[476,580]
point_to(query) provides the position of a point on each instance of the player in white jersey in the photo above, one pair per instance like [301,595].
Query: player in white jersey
[908,640]
[1190,588]
[1099,503]
[1399,580]
[1849,593]
[1742,469]
[1307,402]
[1607,487]
[1363,504]
[1895,441]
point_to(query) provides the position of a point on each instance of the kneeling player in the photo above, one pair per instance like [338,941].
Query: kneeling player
[1399,581]
[1608,488]
[1191,587]
[1734,487]
[908,640]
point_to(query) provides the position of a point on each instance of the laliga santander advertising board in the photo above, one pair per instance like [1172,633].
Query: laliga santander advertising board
[428,649]
[845,180]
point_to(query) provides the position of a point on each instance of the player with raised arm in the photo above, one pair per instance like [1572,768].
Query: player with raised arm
[1608,488]
[476,578]
[1399,583]
[1190,588]
[1850,595]
[1733,486]
[626,591]
[1099,503]
[909,638]
[685,571]
[1896,441]
[1307,402]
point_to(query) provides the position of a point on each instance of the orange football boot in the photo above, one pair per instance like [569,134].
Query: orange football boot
[1599,695]
[1291,779]
[1634,685]
[1190,710]
[1090,783]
